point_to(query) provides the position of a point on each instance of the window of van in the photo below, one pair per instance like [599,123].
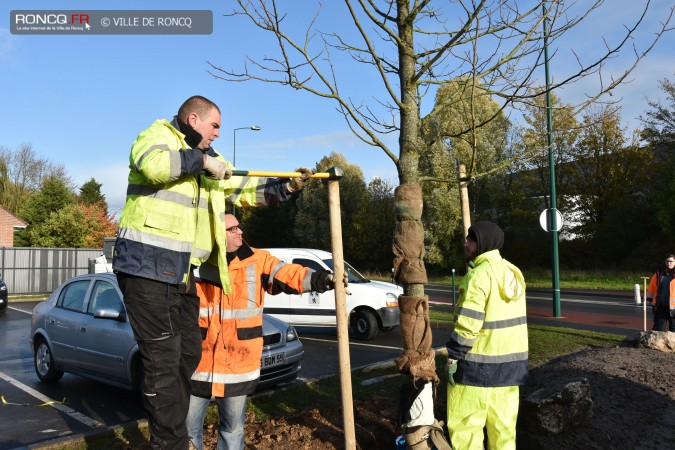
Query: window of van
[354,275]
[308,263]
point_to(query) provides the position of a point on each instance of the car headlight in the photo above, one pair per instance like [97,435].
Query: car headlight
[291,334]
[3,288]
[392,300]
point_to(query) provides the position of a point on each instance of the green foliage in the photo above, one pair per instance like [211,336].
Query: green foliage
[53,195]
[659,120]
[74,225]
[610,169]
[271,226]
[90,193]
[465,127]
[573,279]
[659,133]
[373,225]
[312,222]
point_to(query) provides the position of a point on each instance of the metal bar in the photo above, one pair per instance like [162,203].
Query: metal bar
[262,173]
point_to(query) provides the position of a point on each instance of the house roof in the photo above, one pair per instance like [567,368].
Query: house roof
[16,222]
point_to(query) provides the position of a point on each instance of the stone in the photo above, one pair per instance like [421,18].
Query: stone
[663,341]
[557,408]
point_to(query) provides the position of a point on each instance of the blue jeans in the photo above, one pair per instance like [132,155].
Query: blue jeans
[232,411]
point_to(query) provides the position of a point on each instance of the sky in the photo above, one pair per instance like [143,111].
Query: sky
[80,100]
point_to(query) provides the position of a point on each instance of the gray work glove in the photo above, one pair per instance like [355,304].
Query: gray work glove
[451,367]
[299,183]
[216,169]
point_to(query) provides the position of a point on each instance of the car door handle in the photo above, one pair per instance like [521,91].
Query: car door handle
[83,328]
[50,320]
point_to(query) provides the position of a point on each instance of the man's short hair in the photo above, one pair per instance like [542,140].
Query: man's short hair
[196,104]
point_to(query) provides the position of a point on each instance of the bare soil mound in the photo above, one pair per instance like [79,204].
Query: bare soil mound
[633,393]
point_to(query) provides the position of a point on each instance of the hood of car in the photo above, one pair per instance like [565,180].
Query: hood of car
[383,285]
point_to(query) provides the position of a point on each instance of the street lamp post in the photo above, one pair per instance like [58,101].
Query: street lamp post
[234,147]
[555,268]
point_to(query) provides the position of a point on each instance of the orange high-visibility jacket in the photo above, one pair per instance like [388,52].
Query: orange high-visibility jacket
[653,293]
[231,325]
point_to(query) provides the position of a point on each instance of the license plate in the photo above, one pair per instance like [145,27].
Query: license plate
[273,360]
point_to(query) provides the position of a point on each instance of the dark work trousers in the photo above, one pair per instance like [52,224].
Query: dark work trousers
[165,321]
[662,319]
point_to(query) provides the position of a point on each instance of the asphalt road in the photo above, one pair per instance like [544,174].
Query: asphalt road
[33,413]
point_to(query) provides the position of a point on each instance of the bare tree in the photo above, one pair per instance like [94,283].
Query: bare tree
[411,47]
[23,172]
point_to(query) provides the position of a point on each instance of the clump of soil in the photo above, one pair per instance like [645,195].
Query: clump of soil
[633,393]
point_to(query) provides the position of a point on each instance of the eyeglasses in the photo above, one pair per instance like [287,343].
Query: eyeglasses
[234,228]
[669,261]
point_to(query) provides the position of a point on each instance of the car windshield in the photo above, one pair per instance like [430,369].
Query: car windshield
[354,275]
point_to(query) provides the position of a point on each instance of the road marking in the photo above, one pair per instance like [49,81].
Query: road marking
[562,300]
[88,421]
[350,343]
[21,310]
[590,302]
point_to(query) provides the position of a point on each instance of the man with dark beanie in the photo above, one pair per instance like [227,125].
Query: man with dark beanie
[487,350]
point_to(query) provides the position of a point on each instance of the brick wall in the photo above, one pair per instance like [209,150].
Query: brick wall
[7,223]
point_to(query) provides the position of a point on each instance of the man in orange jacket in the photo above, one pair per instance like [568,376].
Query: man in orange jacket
[231,326]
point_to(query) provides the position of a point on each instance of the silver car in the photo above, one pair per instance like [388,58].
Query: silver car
[82,328]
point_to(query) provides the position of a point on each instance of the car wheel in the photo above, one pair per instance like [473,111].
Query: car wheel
[364,324]
[44,363]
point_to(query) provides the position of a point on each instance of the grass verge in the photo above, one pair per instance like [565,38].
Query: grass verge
[591,279]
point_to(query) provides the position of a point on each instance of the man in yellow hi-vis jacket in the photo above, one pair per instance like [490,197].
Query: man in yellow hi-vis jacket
[172,221]
[487,350]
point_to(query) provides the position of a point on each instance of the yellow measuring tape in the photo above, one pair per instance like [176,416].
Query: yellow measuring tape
[5,402]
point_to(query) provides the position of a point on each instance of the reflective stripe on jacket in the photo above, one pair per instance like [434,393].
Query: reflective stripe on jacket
[490,334]
[173,215]
[232,324]
[653,293]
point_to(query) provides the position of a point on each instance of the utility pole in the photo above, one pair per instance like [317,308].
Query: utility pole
[555,269]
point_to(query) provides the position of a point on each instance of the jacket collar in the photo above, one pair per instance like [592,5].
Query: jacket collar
[243,252]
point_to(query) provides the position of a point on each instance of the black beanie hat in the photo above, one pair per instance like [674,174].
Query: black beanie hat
[488,235]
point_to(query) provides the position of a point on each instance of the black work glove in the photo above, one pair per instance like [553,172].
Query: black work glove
[322,281]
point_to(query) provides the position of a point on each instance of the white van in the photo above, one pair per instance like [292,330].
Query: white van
[372,305]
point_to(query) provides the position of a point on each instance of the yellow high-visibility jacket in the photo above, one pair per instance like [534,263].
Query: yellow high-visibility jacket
[490,335]
[174,215]
[232,337]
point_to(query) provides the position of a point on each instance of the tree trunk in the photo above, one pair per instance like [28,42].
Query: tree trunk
[418,358]
[464,199]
